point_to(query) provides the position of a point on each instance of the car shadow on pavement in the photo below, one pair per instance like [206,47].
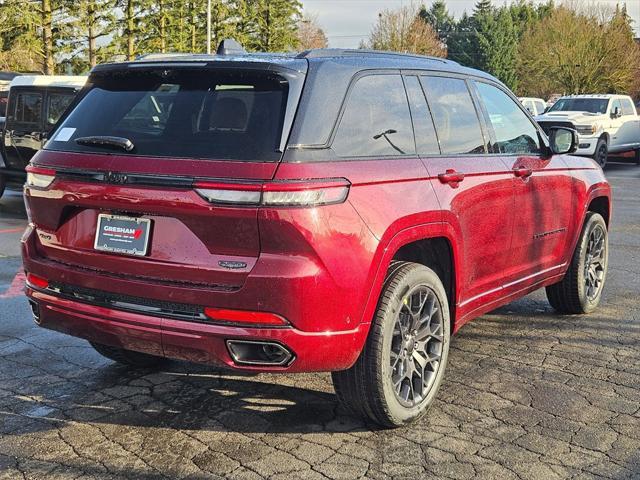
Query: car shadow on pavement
[181,396]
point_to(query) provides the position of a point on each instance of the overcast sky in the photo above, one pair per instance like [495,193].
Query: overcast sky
[347,22]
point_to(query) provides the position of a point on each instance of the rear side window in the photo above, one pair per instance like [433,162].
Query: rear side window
[236,115]
[515,134]
[57,104]
[426,140]
[376,119]
[28,108]
[627,107]
[454,115]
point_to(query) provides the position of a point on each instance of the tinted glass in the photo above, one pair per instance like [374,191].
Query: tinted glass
[514,132]
[591,105]
[616,104]
[627,107]
[426,140]
[3,103]
[376,120]
[454,114]
[28,108]
[182,114]
[58,103]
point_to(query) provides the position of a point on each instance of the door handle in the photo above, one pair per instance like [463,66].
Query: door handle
[522,172]
[451,177]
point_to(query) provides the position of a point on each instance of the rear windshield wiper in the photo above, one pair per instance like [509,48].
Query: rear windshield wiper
[107,142]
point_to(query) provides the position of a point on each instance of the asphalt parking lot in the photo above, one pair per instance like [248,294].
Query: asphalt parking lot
[528,395]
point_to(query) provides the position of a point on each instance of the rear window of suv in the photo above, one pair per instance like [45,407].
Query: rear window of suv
[181,113]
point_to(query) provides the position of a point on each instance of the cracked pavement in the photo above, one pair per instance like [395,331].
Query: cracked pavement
[527,394]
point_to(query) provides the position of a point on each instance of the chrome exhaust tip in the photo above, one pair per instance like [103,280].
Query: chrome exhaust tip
[259,353]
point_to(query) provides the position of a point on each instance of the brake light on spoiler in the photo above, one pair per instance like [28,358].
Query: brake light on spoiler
[306,193]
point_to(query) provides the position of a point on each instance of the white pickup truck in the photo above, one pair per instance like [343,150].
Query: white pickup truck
[605,124]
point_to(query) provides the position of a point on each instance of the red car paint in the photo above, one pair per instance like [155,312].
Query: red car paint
[511,223]
[321,268]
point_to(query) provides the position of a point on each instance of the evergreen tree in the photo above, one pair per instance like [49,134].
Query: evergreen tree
[462,45]
[20,40]
[497,42]
[90,21]
[274,24]
[439,18]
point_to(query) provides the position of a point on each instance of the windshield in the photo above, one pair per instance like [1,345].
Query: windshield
[590,105]
[180,113]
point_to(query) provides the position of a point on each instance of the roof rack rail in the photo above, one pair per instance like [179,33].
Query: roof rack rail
[342,52]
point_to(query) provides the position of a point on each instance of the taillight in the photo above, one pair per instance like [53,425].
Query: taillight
[36,281]
[40,177]
[245,317]
[310,193]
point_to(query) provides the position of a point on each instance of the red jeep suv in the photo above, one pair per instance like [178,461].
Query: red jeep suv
[342,211]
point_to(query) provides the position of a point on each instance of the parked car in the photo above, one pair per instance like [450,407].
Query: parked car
[334,210]
[605,124]
[553,98]
[535,106]
[35,102]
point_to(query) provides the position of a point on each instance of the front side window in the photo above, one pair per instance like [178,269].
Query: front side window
[616,104]
[376,120]
[58,103]
[454,115]
[515,134]
[540,107]
[530,107]
[28,108]
[181,113]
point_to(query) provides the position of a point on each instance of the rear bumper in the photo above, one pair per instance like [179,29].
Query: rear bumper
[195,342]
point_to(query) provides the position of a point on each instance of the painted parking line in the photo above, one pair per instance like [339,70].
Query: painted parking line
[13,230]
[17,286]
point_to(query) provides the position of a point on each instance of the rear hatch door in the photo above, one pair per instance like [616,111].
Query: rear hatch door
[132,151]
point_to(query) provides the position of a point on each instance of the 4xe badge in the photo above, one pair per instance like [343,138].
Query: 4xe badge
[122,234]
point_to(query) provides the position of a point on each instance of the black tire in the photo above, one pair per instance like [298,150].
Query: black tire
[574,294]
[601,152]
[368,389]
[3,185]
[128,357]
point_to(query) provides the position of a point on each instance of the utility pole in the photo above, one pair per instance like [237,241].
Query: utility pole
[208,26]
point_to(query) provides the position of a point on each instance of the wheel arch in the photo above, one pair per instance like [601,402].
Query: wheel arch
[602,206]
[437,254]
[419,244]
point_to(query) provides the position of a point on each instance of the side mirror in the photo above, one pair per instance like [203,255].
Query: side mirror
[563,140]
[616,113]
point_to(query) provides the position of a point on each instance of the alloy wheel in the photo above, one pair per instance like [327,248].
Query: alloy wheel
[416,346]
[594,265]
